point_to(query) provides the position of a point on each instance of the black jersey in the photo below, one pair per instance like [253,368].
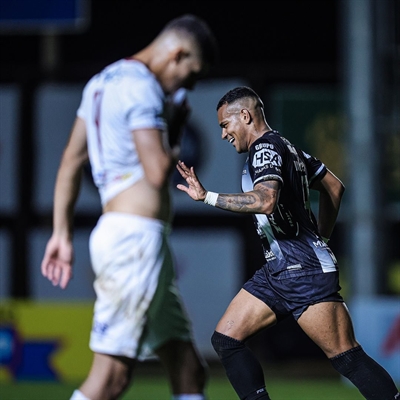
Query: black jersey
[289,235]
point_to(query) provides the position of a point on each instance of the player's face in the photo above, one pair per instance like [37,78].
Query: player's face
[233,127]
[189,71]
[184,70]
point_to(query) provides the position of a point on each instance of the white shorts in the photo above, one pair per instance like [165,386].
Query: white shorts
[138,307]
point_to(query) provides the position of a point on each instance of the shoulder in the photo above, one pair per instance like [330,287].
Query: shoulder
[138,84]
[269,140]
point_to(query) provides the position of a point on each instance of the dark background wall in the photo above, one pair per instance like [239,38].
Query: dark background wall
[287,39]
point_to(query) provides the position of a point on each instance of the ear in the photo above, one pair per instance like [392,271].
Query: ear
[246,116]
[178,54]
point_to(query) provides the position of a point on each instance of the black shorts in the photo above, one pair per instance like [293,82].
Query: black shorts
[292,292]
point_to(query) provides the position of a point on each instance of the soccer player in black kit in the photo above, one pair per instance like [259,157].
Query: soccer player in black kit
[300,277]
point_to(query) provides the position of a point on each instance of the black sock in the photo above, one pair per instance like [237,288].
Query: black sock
[373,381]
[242,367]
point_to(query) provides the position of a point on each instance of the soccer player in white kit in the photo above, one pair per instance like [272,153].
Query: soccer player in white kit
[128,126]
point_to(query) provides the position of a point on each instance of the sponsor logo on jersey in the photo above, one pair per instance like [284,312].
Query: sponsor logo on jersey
[320,243]
[123,177]
[266,157]
[258,171]
[299,166]
[99,327]
[269,255]
[264,146]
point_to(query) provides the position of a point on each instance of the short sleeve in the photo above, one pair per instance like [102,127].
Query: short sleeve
[316,169]
[265,162]
[82,109]
[144,105]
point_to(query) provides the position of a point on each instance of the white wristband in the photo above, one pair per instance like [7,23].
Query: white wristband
[211,198]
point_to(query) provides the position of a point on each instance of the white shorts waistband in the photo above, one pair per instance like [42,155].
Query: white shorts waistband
[135,220]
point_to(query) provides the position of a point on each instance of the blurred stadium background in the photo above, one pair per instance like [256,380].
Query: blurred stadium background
[329,74]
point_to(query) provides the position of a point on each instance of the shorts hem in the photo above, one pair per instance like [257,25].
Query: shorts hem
[114,352]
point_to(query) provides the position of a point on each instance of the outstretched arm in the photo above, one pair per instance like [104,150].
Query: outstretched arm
[261,200]
[58,258]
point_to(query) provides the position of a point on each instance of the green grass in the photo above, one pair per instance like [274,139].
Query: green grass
[156,388]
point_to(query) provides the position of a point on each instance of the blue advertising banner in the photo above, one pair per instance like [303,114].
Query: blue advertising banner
[20,16]
[377,327]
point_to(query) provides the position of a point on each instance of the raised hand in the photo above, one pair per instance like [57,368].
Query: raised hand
[194,189]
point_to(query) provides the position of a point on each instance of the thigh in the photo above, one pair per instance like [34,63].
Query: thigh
[329,325]
[178,353]
[167,318]
[245,316]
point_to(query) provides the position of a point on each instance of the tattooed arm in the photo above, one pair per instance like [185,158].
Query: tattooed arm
[261,200]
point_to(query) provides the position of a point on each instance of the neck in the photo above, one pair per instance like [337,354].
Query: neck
[261,129]
[142,57]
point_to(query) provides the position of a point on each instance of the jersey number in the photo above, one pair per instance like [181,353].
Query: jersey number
[97,98]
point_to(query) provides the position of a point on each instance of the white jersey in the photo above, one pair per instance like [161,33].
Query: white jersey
[123,97]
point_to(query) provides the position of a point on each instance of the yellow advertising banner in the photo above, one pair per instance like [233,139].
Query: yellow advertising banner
[44,341]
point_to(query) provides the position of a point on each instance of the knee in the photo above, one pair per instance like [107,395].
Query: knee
[225,345]
[192,378]
[345,363]
[118,385]
[187,370]
[119,376]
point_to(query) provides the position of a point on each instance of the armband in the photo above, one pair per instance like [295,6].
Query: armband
[211,198]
